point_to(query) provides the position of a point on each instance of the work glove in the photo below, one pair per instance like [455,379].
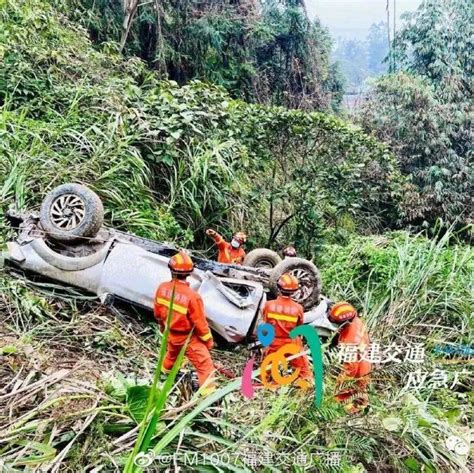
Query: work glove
[210,232]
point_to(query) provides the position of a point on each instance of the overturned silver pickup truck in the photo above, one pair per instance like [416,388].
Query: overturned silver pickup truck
[67,242]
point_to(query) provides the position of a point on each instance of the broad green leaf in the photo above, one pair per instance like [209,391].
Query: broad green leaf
[412,464]
[137,397]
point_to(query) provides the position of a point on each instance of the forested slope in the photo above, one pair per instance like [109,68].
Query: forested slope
[191,156]
[423,111]
[169,160]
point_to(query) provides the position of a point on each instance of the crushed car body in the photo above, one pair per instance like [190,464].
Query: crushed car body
[115,265]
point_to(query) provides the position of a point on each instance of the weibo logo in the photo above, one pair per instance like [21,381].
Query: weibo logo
[273,361]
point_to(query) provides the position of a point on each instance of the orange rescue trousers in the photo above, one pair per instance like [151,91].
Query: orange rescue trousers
[351,385]
[197,353]
[352,393]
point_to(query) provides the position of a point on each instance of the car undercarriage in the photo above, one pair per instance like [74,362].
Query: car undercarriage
[117,265]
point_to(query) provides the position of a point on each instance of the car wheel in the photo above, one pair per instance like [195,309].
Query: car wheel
[307,275]
[262,258]
[71,212]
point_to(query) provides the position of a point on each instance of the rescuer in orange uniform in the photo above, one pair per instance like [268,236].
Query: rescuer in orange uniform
[230,253]
[353,381]
[285,314]
[187,315]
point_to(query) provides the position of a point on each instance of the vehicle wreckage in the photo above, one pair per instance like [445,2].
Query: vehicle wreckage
[67,242]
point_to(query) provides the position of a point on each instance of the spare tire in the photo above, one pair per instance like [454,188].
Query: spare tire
[262,258]
[71,212]
[308,276]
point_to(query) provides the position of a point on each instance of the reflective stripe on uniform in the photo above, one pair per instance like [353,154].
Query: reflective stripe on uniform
[176,307]
[206,337]
[287,318]
[342,308]
[227,255]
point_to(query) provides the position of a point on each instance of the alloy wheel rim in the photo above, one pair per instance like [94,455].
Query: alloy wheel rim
[67,212]
[306,280]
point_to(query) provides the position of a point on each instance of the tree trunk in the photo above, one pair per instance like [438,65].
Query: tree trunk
[129,10]
[387,8]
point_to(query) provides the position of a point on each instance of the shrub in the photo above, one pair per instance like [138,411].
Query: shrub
[432,141]
[404,284]
[153,149]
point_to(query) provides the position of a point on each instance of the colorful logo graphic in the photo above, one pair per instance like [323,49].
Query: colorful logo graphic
[276,361]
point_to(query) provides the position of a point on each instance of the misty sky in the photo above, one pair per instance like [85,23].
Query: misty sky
[352,18]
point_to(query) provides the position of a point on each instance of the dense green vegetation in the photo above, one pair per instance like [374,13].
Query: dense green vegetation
[263,51]
[195,156]
[424,112]
[386,272]
[406,288]
[169,159]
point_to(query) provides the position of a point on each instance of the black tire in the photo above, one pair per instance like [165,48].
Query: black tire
[308,276]
[71,212]
[262,258]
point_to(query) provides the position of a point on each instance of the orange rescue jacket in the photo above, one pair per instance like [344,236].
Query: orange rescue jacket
[284,314]
[187,309]
[355,333]
[227,254]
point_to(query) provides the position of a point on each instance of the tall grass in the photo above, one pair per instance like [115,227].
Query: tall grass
[430,291]
[405,284]
[72,113]
[156,397]
[282,421]
[36,156]
[204,183]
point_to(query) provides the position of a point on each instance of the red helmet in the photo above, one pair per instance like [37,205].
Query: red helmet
[181,263]
[341,312]
[288,283]
[241,237]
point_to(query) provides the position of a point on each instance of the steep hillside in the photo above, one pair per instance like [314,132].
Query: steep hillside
[169,161]
[190,152]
